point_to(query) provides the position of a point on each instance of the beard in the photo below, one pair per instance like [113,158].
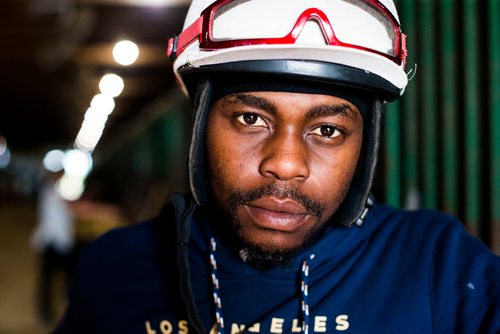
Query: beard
[263,256]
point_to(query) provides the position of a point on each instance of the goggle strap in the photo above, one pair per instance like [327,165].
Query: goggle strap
[178,44]
[171,48]
[404,50]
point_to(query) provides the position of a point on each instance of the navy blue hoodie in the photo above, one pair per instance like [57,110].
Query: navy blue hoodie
[402,272]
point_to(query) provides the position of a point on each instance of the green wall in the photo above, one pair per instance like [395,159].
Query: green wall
[442,145]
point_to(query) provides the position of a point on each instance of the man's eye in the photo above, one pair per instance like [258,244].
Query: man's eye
[328,131]
[251,119]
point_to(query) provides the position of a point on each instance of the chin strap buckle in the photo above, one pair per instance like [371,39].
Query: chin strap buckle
[368,205]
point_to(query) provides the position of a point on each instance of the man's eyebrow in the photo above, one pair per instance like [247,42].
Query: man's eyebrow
[250,100]
[341,109]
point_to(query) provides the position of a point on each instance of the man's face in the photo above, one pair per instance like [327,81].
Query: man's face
[281,163]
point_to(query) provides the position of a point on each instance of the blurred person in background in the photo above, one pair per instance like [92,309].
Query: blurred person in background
[53,239]
[280,233]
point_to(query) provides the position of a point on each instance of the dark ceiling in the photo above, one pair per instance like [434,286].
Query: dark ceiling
[54,52]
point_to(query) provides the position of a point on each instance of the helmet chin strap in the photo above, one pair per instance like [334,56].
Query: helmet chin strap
[197,168]
[358,200]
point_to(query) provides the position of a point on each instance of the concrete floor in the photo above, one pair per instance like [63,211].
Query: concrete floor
[18,270]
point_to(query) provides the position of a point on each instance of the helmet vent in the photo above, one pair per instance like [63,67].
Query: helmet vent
[311,34]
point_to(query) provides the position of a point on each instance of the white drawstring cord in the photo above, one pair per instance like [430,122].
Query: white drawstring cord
[215,283]
[304,291]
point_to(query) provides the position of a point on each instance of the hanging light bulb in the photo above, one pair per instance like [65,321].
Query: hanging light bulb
[111,85]
[125,52]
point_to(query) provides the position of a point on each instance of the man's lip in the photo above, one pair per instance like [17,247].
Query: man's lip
[278,215]
[286,206]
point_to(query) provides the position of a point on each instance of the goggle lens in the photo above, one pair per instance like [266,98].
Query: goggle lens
[349,19]
[364,24]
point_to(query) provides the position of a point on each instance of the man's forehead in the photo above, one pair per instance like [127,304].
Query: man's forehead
[264,101]
[238,89]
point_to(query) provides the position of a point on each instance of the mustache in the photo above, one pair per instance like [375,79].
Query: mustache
[238,198]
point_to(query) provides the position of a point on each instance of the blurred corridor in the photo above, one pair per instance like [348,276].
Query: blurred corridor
[21,264]
[18,269]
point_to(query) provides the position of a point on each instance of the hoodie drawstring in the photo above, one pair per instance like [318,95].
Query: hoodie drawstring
[304,291]
[215,284]
[304,294]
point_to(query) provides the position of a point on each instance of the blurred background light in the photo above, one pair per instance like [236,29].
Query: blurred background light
[95,117]
[92,127]
[5,158]
[53,161]
[91,130]
[125,52]
[3,145]
[85,144]
[86,140]
[111,85]
[70,187]
[77,163]
[103,104]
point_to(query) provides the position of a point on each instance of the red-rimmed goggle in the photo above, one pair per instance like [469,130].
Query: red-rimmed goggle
[360,24]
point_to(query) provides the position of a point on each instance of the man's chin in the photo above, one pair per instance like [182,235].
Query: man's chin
[264,259]
[265,255]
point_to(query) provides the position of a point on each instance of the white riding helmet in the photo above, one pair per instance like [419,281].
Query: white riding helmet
[363,37]
[340,45]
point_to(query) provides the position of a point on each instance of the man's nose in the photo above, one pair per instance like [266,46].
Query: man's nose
[285,157]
